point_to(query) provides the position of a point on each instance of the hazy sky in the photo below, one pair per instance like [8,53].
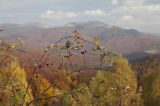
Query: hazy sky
[143,15]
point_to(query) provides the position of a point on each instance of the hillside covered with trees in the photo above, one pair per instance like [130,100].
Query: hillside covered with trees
[75,72]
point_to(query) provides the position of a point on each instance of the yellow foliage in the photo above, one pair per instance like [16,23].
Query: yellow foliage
[13,81]
[123,69]
[114,88]
[97,41]
[41,84]
[151,89]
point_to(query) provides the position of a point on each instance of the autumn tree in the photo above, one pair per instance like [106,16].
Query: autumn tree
[115,88]
[13,85]
[151,89]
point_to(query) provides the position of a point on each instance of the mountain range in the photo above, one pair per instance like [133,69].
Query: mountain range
[113,37]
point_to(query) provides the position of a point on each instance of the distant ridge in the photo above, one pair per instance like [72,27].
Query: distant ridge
[114,38]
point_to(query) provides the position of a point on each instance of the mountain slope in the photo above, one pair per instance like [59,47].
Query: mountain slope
[113,37]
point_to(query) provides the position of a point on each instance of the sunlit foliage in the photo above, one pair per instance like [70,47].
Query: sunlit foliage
[13,86]
[118,88]
[43,91]
[151,89]
[112,82]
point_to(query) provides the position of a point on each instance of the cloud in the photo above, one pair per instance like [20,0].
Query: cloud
[97,12]
[132,2]
[128,2]
[51,14]
[115,2]
[138,11]
[143,16]
[127,18]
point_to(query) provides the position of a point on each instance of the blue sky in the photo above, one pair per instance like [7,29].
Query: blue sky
[143,15]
